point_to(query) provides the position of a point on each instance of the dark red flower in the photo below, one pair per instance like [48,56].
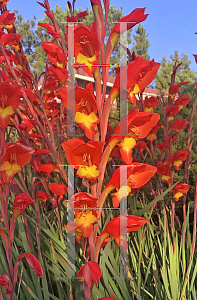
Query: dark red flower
[21,202]
[90,272]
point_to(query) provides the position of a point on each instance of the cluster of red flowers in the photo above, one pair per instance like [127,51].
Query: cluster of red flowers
[43,128]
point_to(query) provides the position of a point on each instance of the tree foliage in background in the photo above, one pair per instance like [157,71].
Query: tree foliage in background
[142,43]
[32,37]
[184,73]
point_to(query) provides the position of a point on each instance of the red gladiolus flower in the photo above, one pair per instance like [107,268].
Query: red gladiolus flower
[55,54]
[90,272]
[50,30]
[42,151]
[137,175]
[32,261]
[84,156]
[85,212]
[171,111]
[9,101]
[173,90]
[21,202]
[177,159]
[134,223]
[14,157]
[135,17]
[152,134]
[86,47]
[58,189]
[180,189]
[140,73]
[42,196]
[85,107]
[164,171]
[139,125]
[182,101]
[150,103]
[47,169]
[58,74]
[161,146]
[7,20]
[10,39]
[178,125]
[141,145]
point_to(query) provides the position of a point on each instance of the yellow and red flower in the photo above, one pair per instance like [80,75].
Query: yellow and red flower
[86,47]
[7,20]
[21,202]
[137,175]
[179,190]
[173,90]
[139,125]
[164,171]
[9,101]
[150,103]
[84,156]
[182,101]
[85,107]
[85,212]
[14,157]
[140,73]
[135,17]
[55,54]
[177,159]
[134,223]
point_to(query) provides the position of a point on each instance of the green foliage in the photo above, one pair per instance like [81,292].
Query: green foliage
[142,43]
[184,73]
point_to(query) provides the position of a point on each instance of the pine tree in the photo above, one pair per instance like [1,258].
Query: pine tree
[141,43]
[184,72]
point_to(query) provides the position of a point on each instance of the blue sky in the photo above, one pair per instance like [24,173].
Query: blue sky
[171,24]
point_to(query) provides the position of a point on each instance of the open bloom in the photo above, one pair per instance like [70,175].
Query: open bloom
[139,126]
[178,125]
[177,159]
[55,54]
[14,157]
[21,202]
[173,90]
[9,101]
[180,189]
[182,101]
[150,103]
[130,20]
[133,223]
[85,108]
[84,156]
[140,73]
[137,175]
[7,20]
[84,205]
[86,47]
